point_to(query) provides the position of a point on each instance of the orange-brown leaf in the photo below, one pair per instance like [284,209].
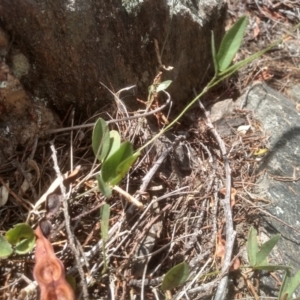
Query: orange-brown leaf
[49,271]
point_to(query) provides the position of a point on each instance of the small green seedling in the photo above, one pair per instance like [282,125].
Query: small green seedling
[289,285]
[5,247]
[20,239]
[163,86]
[230,45]
[175,277]
[258,261]
[223,66]
[116,158]
[258,257]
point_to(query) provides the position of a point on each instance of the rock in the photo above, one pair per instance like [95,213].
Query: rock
[61,53]
[73,46]
[22,117]
[280,183]
[280,120]
[294,93]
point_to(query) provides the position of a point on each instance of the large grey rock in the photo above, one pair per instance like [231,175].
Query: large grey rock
[61,51]
[72,46]
[281,121]
[280,182]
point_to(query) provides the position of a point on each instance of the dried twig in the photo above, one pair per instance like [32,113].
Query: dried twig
[230,233]
[149,113]
[68,228]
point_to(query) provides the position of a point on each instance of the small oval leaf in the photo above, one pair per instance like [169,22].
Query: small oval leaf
[175,277]
[123,168]
[100,139]
[4,193]
[265,249]
[5,247]
[291,284]
[231,43]
[109,168]
[163,86]
[251,246]
[115,142]
[25,245]
[19,232]
[71,281]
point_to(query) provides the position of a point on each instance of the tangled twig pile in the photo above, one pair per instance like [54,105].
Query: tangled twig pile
[187,217]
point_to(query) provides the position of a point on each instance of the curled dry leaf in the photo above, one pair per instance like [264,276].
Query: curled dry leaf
[3,195]
[25,185]
[221,245]
[49,271]
[236,264]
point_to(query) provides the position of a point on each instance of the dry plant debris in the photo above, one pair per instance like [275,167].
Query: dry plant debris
[183,220]
[268,20]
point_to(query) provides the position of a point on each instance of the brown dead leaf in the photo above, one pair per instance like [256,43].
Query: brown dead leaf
[221,246]
[49,271]
[236,264]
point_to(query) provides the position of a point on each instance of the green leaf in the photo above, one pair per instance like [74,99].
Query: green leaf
[163,86]
[287,277]
[231,43]
[115,142]
[251,246]
[109,168]
[290,284]
[5,247]
[104,187]
[265,249]
[124,167]
[25,245]
[104,216]
[100,139]
[19,232]
[270,268]
[175,277]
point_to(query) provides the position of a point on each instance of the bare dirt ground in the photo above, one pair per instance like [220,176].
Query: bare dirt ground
[184,219]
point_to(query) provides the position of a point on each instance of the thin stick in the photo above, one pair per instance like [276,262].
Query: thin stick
[128,197]
[114,120]
[71,140]
[67,222]
[230,233]
[156,165]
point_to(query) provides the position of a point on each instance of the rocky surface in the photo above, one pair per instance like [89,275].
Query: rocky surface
[61,51]
[73,46]
[23,118]
[279,169]
[280,182]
